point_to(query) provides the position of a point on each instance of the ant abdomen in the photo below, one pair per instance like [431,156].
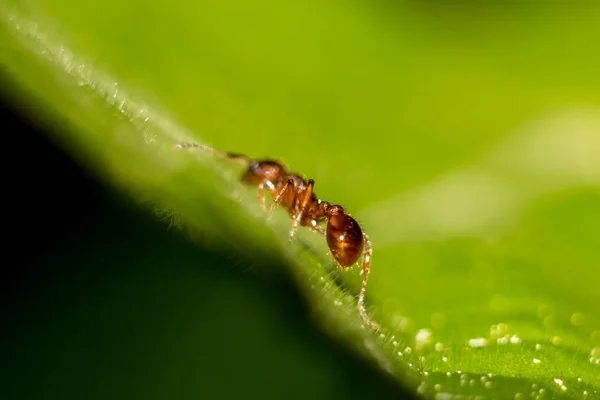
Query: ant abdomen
[345,239]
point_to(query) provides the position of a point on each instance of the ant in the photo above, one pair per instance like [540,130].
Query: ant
[345,238]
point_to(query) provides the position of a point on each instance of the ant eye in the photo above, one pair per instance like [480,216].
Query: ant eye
[254,167]
[252,174]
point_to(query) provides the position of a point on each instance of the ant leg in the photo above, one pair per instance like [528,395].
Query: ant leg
[368,251]
[261,195]
[286,186]
[315,225]
[187,145]
[304,202]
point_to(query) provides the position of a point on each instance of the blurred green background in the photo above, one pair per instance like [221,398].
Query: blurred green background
[102,301]
[463,136]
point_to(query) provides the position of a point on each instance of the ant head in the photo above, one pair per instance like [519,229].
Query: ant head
[260,171]
[344,237]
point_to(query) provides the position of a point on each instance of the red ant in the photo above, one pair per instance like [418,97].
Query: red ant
[344,236]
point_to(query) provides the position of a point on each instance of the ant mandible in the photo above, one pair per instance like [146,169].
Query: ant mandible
[344,237]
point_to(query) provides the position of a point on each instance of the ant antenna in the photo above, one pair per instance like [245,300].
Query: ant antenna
[233,156]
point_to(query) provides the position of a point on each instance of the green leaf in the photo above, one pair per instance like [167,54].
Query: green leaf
[466,141]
